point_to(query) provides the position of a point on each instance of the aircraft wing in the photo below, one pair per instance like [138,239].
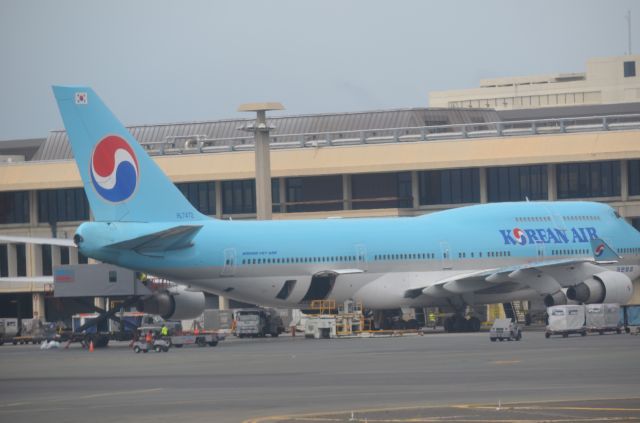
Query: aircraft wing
[61,242]
[545,276]
[170,239]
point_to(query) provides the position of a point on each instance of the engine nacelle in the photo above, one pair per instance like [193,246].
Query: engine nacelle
[605,287]
[180,305]
[557,298]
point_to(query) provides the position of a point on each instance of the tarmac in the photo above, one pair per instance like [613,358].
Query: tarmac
[432,378]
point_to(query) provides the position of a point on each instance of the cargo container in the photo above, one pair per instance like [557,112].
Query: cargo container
[566,320]
[603,318]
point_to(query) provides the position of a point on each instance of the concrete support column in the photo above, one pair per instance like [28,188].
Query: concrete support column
[484,188]
[624,180]
[37,299]
[552,186]
[282,185]
[263,171]
[415,189]
[73,255]
[99,302]
[218,185]
[12,260]
[262,156]
[347,194]
[34,260]
[223,303]
[56,257]
[33,208]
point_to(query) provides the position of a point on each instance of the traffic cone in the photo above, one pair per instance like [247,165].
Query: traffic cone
[91,346]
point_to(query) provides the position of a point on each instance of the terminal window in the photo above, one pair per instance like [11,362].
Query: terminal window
[629,69]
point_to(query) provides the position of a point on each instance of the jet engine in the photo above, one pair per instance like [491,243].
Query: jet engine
[605,287]
[174,305]
[557,298]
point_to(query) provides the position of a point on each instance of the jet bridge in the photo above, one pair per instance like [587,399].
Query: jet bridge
[83,281]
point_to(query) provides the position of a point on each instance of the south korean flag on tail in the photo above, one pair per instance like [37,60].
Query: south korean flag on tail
[81,98]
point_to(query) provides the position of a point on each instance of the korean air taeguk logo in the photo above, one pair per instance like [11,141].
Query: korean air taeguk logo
[114,169]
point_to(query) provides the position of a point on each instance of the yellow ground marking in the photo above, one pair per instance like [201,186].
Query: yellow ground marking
[460,419]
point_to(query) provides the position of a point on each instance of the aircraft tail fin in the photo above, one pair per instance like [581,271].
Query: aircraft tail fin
[602,251]
[121,181]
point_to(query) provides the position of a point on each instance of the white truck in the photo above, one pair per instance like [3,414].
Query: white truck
[258,322]
[505,329]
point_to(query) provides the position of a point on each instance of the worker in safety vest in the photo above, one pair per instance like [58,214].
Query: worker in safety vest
[164,331]
[148,338]
[432,319]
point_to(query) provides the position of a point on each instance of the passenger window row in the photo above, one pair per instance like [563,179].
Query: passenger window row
[570,252]
[294,260]
[629,250]
[411,256]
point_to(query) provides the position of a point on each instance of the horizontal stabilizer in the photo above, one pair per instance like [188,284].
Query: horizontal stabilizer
[61,242]
[170,239]
[602,251]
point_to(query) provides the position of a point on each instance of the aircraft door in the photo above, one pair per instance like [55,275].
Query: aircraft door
[361,256]
[445,250]
[229,262]
[540,249]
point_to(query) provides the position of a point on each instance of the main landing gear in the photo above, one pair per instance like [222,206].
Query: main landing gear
[458,323]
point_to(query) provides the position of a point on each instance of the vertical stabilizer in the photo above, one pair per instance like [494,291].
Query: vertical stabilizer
[121,181]
[602,251]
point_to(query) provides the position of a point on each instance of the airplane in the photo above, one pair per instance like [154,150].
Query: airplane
[481,254]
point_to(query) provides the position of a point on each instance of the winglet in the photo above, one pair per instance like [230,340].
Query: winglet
[602,251]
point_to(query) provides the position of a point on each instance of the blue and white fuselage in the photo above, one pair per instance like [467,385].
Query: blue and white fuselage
[471,255]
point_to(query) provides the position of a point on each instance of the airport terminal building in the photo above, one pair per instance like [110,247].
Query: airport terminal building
[403,162]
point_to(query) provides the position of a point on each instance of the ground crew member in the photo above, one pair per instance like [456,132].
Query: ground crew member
[164,331]
[148,339]
[432,319]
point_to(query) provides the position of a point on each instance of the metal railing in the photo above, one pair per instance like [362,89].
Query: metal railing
[198,143]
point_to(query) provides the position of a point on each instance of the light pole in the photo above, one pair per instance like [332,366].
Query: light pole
[263,162]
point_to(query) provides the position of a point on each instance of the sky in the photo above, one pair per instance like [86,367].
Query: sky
[160,61]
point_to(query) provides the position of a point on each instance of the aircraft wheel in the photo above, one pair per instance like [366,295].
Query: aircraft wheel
[501,339]
[493,339]
[547,334]
[474,324]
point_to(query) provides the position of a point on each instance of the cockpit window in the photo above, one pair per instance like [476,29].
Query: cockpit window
[617,214]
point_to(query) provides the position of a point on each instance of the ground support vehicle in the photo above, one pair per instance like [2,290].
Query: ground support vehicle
[566,320]
[180,339]
[258,322]
[630,316]
[201,340]
[157,345]
[505,329]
